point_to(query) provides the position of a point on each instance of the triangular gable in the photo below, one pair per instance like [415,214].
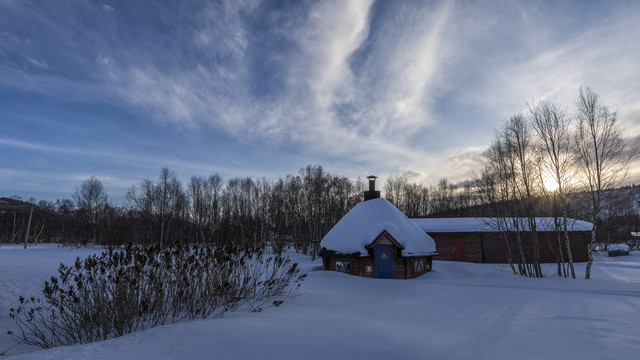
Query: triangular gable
[384,239]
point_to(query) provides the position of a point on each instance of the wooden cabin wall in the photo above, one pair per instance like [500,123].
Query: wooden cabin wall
[358,265]
[473,246]
[489,247]
[403,267]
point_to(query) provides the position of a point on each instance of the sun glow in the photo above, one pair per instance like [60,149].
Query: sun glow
[549,181]
[570,180]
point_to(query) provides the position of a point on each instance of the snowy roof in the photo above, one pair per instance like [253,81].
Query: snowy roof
[366,221]
[463,225]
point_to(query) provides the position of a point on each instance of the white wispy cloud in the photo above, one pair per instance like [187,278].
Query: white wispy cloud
[111,183]
[142,162]
[386,96]
[413,68]
[334,30]
[600,57]
[104,60]
[38,64]
[29,145]
[208,93]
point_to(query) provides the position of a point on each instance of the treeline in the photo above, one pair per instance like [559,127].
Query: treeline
[50,221]
[442,200]
[296,210]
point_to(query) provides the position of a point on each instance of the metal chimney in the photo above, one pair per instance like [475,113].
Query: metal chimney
[372,193]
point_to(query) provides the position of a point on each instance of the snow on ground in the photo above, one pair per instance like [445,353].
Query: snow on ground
[458,311]
[23,273]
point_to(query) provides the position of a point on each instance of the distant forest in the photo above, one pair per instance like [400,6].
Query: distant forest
[296,210]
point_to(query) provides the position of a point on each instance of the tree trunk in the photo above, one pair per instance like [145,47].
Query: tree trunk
[568,245]
[508,251]
[590,248]
[26,237]
[558,256]
[522,258]
[161,233]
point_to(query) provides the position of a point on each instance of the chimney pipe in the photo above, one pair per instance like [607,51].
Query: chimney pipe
[372,182]
[372,193]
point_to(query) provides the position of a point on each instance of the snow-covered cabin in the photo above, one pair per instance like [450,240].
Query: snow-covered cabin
[480,239]
[375,239]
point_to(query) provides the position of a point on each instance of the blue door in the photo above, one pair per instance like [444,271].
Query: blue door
[384,262]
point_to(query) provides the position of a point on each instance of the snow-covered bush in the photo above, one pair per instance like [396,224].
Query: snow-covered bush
[618,250]
[119,292]
[618,247]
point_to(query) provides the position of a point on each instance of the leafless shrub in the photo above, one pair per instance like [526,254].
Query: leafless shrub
[120,292]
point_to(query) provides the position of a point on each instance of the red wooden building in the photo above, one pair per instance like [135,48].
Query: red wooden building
[479,240]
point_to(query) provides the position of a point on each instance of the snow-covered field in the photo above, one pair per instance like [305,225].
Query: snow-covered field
[458,311]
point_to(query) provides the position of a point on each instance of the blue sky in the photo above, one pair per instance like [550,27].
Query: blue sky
[120,89]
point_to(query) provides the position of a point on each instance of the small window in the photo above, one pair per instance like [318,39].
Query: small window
[418,266]
[343,266]
[368,268]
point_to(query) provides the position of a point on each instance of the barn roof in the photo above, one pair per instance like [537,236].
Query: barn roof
[366,221]
[470,225]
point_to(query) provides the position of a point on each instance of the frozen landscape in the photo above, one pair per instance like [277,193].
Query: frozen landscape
[457,311]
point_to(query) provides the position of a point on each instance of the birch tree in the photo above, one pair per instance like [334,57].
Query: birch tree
[552,125]
[496,184]
[518,137]
[602,158]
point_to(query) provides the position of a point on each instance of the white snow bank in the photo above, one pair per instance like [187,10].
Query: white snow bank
[494,314]
[367,220]
[488,224]
[618,247]
[23,273]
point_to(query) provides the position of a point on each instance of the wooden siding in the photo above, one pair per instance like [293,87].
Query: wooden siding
[490,247]
[358,265]
[403,267]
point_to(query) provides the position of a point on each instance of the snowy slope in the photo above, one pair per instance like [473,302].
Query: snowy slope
[458,311]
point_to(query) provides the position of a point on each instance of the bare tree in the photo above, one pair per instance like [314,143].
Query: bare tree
[602,157]
[91,200]
[204,196]
[90,197]
[519,140]
[495,186]
[509,182]
[444,201]
[162,204]
[170,201]
[552,127]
